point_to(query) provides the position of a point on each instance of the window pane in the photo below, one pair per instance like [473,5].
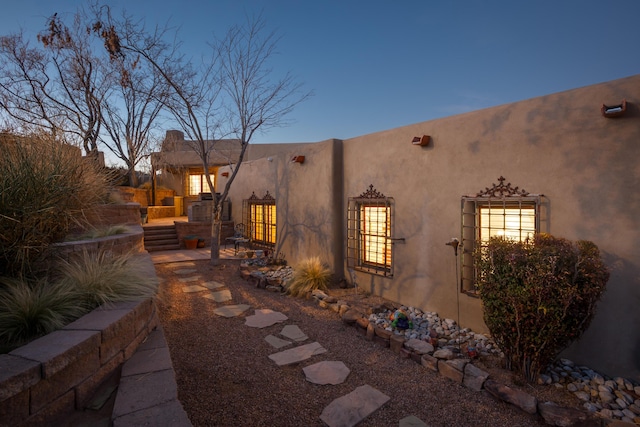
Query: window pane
[194,185]
[376,246]
[511,223]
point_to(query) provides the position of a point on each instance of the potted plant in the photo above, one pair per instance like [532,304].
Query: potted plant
[190,242]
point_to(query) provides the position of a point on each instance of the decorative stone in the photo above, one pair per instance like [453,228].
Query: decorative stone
[185,271]
[294,333]
[474,377]
[444,353]
[351,316]
[188,279]
[212,285]
[411,421]
[430,362]
[354,407]
[328,372]
[419,346]
[231,310]
[297,354]
[561,416]
[193,288]
[265,317]
[451,370]
[518,398]
[276,342]
[396,343]
[220,296]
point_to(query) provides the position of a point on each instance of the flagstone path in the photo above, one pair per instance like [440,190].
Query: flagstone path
[344,411]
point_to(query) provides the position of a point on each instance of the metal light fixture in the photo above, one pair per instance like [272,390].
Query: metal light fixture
[297,159]
[421,140]
[225,174]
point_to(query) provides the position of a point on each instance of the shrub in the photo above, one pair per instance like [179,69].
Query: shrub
[538,296]
[45,186]
[30,310]
[309,275]
[102,278]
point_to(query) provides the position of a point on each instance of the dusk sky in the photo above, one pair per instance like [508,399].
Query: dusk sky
[376,65]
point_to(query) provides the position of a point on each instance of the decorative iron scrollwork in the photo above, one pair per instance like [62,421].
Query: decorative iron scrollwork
[502,190]
[267,197]
[372,193]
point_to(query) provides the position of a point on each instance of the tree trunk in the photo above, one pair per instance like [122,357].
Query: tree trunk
[216,227]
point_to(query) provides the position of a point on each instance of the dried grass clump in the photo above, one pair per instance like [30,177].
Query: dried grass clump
[45,185]
[309,275]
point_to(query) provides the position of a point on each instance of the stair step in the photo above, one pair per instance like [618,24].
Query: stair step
[173,236]
[159,248]
[161,242]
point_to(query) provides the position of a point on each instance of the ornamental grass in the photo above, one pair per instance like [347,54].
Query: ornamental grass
[309,275]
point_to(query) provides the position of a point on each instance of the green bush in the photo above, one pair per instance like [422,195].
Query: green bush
[309,275]
[102,278]
[29,310]
[538,296]
[44,188]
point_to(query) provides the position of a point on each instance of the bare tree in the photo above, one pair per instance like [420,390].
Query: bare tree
[230,94]
[129,118]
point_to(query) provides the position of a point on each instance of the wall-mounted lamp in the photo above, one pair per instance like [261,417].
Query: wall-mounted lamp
[225,174]
[614,110]
[297,159]
[421,140]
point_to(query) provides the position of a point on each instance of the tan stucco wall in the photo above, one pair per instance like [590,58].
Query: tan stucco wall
[307,202]
[558,145]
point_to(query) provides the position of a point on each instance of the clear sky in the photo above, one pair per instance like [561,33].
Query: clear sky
[376,65]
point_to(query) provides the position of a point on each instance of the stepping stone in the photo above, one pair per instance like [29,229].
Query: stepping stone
[180,264]
[350,409]
[193,288]
[328,372]
[293,333]
[220,296]
[265,317]
[213,285]
[411,421]
[189,279]
[231,310]
[297,354]
[276,342]
[185,271]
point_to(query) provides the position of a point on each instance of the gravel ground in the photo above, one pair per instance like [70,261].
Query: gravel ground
[225,377]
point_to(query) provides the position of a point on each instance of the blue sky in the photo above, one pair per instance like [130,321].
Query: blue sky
[376,65]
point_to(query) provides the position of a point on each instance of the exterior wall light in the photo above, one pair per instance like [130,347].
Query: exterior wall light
[225,174]
[614,110]
[421,140]
[297,159]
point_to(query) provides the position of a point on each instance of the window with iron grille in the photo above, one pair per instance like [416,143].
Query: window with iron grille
[260,219]
[369,242]
[198,184]
[499,211]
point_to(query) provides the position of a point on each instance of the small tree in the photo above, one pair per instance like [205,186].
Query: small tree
[539,296]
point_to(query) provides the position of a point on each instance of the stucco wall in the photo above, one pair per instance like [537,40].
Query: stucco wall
[307,200]
[558,145]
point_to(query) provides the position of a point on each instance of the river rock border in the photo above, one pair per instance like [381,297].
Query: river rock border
[443,361]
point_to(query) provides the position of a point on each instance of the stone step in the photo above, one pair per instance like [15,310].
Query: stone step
[160,238]
[159,248]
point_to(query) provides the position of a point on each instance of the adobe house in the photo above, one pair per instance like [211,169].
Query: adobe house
[381,208]
[178,166]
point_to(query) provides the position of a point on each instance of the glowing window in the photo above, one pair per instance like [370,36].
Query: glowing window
[369,231]
[198,184]
[498,211]
[260,216]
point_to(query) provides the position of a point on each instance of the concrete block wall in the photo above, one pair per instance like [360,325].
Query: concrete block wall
[52,376]
[131,241]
